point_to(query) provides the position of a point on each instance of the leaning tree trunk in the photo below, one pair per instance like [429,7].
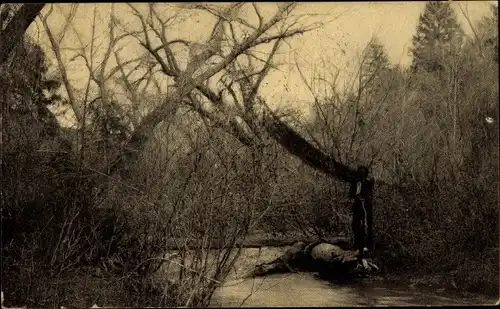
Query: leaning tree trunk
[283,133]
[280,131]
[276,128]
[287,137]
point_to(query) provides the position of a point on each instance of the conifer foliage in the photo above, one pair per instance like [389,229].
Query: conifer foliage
[375,61]
[438,34]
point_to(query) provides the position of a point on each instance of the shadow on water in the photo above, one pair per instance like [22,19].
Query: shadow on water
[308,289]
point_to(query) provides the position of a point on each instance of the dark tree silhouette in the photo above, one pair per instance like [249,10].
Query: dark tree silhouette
[297,145]
[12,34]
[437,31]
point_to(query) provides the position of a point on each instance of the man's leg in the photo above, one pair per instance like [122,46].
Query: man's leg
[354,226]
[357,227]
[369,228]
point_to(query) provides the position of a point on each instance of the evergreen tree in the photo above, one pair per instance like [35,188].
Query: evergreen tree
[487,33]
[438,34]
[375,62]
[376,72]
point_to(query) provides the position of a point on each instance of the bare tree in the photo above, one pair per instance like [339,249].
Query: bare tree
[226,47]
[349,121]
[100,69]
[55,44]
[220,79]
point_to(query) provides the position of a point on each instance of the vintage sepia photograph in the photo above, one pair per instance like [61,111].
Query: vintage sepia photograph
[249,154]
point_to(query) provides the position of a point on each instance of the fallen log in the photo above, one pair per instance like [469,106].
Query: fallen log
[255,241]
[322,257]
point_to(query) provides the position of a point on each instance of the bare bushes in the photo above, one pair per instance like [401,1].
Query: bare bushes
[427,141]
[445,230]
[309,203]
[72,235]
[192,209]
[46,228]
[60,245]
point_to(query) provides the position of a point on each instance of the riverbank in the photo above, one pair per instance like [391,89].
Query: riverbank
[415,278]
[437,281]
[308,289]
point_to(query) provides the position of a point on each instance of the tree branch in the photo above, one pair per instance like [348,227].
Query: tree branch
[298,146]
[62,68]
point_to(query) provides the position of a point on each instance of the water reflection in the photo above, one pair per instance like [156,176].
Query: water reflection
[306,289]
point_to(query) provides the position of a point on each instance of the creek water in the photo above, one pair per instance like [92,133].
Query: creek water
[306,289]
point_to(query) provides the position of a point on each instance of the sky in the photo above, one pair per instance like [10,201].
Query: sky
[393,23]
[348,28]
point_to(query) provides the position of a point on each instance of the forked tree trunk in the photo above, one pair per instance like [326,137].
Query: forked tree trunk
[285,135]
[130,154]
[280,131]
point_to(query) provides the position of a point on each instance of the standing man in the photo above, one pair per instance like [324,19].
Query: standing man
[362,211]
